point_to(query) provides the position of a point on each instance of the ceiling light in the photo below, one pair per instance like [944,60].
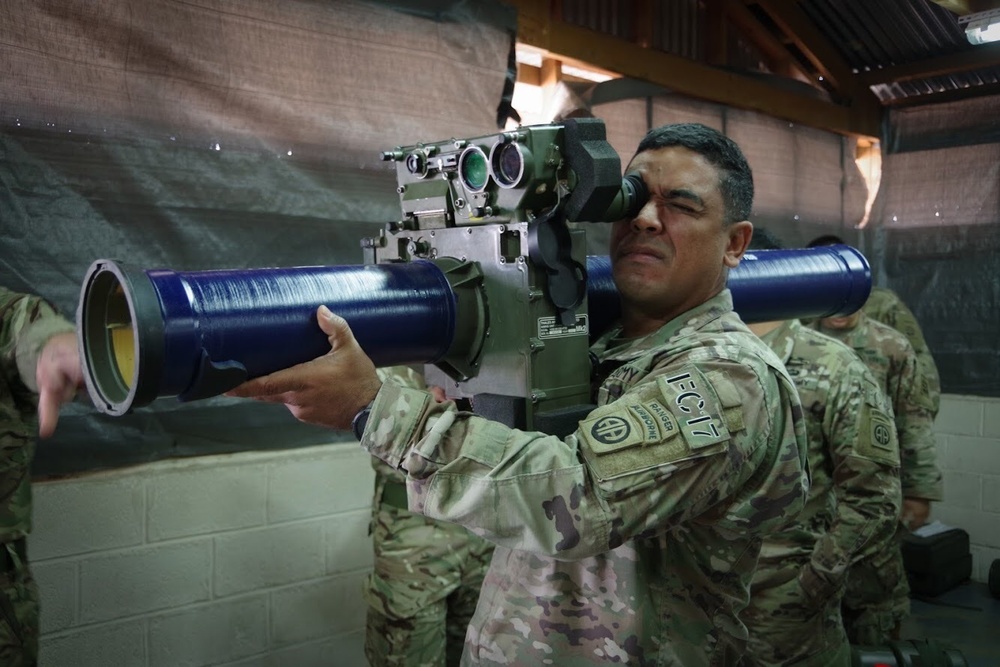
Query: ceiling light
[982,27]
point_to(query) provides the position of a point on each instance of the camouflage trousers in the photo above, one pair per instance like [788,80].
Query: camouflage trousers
[789,625]
[424,587]
[18,609]
[878,596]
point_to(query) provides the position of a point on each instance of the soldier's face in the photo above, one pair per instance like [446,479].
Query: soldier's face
[841,323]
[673,255]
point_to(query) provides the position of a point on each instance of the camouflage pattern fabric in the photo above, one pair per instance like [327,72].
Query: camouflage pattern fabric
[886,307]
[877,597]
[890,357]
[426,578]
[635,538]
[19,627]
[852,511]
[26,323]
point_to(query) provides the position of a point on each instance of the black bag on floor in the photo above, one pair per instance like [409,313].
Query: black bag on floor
[909,653]
[937,563]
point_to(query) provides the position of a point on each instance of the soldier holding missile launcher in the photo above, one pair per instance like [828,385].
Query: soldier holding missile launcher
[637,534]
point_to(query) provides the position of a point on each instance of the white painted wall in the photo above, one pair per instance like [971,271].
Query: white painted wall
[257,559]
[250,559]
[968,438]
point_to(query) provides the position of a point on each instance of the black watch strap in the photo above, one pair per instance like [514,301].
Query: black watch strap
[360,421]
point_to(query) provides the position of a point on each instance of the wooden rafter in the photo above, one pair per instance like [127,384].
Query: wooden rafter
[965,7]
[580,46]
[716,37]
[977,57]
[780,60]
[818,49]
[945,96]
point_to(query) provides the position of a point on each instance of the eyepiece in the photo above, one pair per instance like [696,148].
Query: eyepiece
[630,199]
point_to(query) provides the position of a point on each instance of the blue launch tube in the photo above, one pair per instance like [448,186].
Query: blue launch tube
[146,334]
[151,333]
[802,283]
[768,285]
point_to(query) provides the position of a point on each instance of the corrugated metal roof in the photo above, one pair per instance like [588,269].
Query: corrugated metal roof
[675,26]
[875,34]
[870,35]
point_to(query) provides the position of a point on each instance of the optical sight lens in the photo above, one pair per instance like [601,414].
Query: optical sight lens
[473,169]
[508,164]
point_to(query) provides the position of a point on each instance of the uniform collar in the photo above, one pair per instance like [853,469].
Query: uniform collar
[610,346]
[782,339]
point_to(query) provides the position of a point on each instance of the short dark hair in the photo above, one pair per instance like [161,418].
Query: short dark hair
[763,239]
[735,176]
[825,239]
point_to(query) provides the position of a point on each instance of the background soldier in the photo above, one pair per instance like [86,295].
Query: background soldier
[877,598]
[39,370]
[854,500]
[885,306]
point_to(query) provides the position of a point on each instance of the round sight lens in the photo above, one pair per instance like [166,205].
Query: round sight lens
[473,170]
[508,164]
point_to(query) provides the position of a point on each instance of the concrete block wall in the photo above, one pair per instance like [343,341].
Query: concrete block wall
[968,440]
[250,560]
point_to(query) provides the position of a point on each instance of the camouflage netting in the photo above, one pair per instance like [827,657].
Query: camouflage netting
[218,134]
[934,235]
[246,134]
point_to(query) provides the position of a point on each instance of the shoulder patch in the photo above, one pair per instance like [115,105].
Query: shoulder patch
[692,400]
[877,437]
[729,397]
[629,424]
[643,431]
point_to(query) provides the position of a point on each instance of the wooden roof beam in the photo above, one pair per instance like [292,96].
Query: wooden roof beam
[818,49]
[584,47]
[966,7]
[977,57]
[940,97]
[779,59]
[716,35]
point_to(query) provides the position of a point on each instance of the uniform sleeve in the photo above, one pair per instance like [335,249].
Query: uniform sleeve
[684,440]
[406,376]
[913,408]
[860,437]
[897,315]
[26,324]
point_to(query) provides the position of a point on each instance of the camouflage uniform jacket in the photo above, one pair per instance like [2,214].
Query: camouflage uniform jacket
[890,357]
[636,537]
[886,307]
[26,323]
[855,499]
[407,377]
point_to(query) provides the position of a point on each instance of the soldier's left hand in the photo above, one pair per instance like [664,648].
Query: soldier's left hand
[915,512]
[58,374]
[327,391]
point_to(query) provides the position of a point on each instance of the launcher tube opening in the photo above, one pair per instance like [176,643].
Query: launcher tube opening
[108,333]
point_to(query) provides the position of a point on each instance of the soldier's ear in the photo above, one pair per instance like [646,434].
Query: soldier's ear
[738,237]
